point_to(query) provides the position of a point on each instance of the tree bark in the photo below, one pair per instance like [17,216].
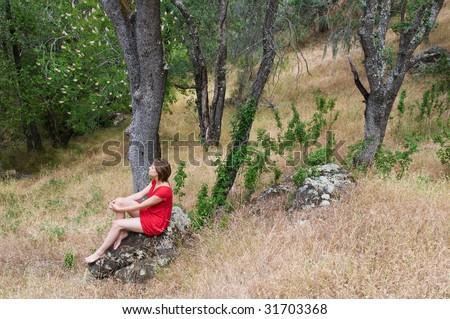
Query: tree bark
[385,80]
[259,83]
[213,132]
[59,136]
[209,116]
[139,34]
[199,67]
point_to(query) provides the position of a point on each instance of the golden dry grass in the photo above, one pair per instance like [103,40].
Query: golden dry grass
[387,238]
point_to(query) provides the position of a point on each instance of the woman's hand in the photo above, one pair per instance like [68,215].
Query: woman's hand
[113,206]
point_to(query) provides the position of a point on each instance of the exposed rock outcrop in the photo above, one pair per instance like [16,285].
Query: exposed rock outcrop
[325,184]
[138,257]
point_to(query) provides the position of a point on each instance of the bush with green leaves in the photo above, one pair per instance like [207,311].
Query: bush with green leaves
[443,139]
[299,135]
[422,118]
[69,260]
[399,161]
[70,77]
[204,208]
[179,179]
[428,119]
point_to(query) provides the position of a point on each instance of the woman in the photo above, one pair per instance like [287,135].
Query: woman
[150,216]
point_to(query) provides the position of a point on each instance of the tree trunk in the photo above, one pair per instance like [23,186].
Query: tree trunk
[209,116]
[214,129]
[200,70]
[139,34]
[374,130]
[385,80]
[257,87]
[59,136]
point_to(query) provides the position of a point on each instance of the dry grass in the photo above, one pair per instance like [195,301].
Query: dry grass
[386,239]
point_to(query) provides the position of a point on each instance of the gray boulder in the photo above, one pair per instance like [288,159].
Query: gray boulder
[139,256]
[325,184]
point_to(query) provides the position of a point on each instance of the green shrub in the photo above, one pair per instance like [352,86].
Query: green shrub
[299,177]
[69,260]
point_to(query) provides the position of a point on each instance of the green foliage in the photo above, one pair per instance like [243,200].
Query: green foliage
[386,160]
[9,222]
[389,56]
[344,25]
[441,73]
[70,77]
[443,139]
[219,189]
[69,260]
[298,135]
[179,179]
[353,151]
[427,119]
[238,154]
[54,232]
[431,104]
[295,132]
[318,157]
[256,165]
[401,103]
[204,208]
[423,117]
[412,8]
[299,177]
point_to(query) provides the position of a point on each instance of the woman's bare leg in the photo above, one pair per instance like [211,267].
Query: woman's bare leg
[124,202]
[129,224]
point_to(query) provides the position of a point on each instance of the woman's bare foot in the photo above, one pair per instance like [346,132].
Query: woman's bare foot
[93,258]
[123,234]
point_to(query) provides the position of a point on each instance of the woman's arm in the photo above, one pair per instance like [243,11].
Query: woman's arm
[146,203]
[137,196]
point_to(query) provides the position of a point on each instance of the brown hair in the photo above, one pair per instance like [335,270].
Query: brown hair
[163,169]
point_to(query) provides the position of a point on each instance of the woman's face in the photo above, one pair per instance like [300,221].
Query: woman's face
[152,171]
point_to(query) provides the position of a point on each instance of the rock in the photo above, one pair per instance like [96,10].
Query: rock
[275,191]
[139,256]
[324,185]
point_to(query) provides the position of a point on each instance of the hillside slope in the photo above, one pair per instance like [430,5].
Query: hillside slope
[387,238]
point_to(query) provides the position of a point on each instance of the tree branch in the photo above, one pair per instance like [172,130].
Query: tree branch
[358,83]
[431,54]
[182,87]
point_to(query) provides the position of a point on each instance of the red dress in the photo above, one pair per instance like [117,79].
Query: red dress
[155,219]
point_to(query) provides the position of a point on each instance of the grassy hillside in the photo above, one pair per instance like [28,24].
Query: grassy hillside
[388,238]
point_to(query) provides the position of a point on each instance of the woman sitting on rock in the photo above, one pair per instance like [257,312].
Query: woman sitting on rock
[151,216]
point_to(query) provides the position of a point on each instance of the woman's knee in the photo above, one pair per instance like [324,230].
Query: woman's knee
[119,200]
[116,224]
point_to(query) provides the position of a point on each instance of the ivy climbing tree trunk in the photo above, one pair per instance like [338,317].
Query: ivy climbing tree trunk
[241,133]
[138,31]
[385,69]
[209,116]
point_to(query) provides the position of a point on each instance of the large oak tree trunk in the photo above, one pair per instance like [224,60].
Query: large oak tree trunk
[139,34]
[386,79]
